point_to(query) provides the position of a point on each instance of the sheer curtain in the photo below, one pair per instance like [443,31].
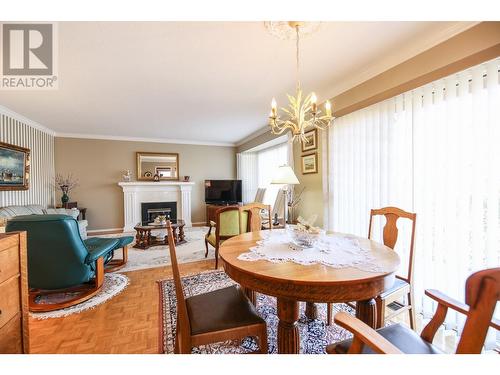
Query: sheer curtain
[268,161]
[433,151]
[246,168]
[256,170]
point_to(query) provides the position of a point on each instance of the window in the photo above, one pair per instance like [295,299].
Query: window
[256,169]
[433,151]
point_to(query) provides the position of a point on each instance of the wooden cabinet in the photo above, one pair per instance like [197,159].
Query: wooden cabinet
[13,294]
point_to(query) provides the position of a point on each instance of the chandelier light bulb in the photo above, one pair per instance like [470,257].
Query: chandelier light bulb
[314,99]
[328,108]
[274,107]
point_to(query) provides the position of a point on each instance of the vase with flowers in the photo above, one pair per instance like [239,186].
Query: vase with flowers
[65,184]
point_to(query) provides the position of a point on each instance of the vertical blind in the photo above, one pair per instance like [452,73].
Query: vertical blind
[433,151]
[256,169]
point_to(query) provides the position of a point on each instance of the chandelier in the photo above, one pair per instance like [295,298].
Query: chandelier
[302,112]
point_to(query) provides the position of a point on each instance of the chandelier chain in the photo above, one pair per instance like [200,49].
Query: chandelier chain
[297,68]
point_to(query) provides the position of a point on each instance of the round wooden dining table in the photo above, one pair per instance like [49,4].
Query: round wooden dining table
[292,283]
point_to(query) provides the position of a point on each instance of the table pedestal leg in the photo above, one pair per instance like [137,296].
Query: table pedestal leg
[288,330]
[367,312]
[311,310]
[252,296]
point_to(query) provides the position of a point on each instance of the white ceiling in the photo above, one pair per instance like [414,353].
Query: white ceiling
[205,82]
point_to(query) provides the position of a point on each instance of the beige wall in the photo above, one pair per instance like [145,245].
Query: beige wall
[312,197]
[99,165]
[258,140]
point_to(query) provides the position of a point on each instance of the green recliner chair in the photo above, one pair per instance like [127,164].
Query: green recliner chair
[230,222]
[59,262]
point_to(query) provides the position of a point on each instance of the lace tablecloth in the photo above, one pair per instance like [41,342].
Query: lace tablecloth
[335,250]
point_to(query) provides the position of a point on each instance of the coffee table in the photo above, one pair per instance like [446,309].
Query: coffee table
[144,239]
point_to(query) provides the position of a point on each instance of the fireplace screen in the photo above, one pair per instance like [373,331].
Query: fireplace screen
[151,210]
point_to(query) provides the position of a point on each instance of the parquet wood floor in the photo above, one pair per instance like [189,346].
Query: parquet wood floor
[128,323]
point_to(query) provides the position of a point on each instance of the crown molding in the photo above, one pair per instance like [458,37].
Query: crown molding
[9,112]
[143,139]
[394,59]
[253,135]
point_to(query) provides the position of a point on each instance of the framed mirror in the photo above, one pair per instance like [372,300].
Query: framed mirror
[165,165]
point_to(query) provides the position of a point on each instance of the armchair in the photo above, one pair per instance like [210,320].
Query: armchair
[482,292]
[59,262]
[229,222]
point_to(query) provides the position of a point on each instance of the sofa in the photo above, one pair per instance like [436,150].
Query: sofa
[34,209]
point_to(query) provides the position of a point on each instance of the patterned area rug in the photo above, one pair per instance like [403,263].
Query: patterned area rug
[114,284]
[314,334]
[191,251]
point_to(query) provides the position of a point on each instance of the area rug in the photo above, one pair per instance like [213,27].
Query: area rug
[314,334]
[158,256]
[114,284]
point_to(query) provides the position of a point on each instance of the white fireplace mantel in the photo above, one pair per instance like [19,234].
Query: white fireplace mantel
[137,192]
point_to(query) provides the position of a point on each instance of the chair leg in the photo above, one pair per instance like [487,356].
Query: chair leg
[116,264]
[206,247]
[217,256]
[411,310]
[329,311]
[380,305]
[263,345]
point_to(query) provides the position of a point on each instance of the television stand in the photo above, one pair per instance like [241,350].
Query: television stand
[211,209]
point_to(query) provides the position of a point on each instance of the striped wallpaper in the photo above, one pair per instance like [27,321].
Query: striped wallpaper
[17,130]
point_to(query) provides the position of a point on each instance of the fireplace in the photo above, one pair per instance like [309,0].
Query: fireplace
[150,210]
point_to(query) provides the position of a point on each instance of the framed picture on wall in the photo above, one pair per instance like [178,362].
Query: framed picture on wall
[310,163]
[311,142]
[14,167]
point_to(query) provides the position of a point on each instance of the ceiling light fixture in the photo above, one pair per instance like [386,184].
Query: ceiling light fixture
[302,112]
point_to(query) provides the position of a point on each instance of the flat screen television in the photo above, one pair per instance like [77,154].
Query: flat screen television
[223,191]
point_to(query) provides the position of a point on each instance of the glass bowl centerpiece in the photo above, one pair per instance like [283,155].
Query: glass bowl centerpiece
[304,235]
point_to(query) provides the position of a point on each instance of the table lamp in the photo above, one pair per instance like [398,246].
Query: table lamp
[285,176]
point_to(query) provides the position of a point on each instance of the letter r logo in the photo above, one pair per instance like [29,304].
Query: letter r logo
[27,49]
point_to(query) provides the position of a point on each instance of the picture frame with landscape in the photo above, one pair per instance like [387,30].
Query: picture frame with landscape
[310,163]
[312,140]
[14,167]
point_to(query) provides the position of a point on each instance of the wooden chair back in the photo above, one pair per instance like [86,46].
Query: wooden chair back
[255,219]
[183,324]
[390,231]
[482,292]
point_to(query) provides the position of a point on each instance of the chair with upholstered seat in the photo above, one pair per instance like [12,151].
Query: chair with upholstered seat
[402,286]
[219,315]
[482,292]
[59,262]
[229,222]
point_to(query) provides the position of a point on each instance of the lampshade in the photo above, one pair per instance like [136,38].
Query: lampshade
[285,175]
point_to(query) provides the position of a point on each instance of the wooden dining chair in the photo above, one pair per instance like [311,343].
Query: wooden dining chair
[219,315]
[229,222]
[482,292]
[402,286]
[257,210]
